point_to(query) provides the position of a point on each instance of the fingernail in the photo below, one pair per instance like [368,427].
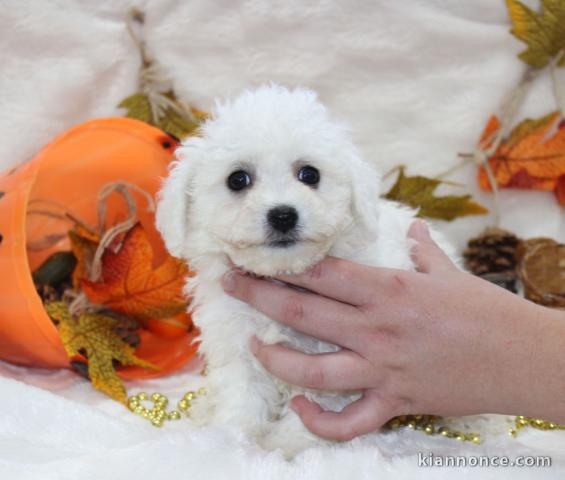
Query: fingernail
[254,345]
[229,281]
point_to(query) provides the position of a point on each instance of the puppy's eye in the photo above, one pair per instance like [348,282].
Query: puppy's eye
[309,175]
[238,180]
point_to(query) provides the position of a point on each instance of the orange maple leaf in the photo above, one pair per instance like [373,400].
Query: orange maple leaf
[130,285]
[532,157]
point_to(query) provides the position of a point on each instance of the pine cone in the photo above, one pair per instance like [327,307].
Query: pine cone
[492,256]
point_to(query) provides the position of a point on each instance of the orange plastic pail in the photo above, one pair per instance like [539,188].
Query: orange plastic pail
[70,171]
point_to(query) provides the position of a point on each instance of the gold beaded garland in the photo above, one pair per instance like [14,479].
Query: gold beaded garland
[159,414]
[425,423]
[522,421]
[429,425]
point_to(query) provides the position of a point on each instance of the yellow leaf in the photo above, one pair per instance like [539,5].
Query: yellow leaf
[93,334]
[173,118]
[544,33]
[418,192]
[138,107]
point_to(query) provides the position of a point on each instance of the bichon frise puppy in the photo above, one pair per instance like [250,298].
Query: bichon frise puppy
[272,185]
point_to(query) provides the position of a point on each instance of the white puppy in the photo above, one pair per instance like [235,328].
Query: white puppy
[272,185]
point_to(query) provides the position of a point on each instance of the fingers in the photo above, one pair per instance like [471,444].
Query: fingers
[342,370]
[427,256]
[311,314]
[358,418]
[336,278]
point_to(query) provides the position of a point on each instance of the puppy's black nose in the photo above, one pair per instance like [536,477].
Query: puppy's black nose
[283,218]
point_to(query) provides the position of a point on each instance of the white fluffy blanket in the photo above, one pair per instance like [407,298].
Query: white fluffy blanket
[416,80]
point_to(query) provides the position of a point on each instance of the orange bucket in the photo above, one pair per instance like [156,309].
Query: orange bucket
[70,171]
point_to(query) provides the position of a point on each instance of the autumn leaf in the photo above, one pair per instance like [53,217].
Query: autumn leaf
[560,190]
[83,244]
[418,192]
[93,334]
[57,268]
[544,33]
[130,285]
[174,119]
[532,157]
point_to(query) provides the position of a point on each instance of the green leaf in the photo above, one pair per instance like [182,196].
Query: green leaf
[544,33]
[527,126]
[138,107]
[174,124]
[418,192]
[170,121]
[56,269]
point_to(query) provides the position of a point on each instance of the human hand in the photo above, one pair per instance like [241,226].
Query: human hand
[435,341]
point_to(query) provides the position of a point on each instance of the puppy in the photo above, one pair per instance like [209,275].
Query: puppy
[272,185]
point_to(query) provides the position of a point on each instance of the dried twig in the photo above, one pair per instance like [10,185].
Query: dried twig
[152,83]
[490,145]
[109,235]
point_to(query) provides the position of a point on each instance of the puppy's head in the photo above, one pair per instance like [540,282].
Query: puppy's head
[272,182]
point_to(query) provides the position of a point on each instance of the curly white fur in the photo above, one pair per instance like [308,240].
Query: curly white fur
[270,132]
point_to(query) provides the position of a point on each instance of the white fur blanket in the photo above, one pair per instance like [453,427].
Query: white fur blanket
[416,80]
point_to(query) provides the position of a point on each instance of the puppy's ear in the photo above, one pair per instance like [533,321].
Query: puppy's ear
[173,203]
[366,185]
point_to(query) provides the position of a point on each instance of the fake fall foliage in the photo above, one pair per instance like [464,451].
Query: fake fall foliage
[130,294]
[532,157]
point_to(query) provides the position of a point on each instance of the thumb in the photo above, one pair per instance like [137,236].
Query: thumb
[427,256]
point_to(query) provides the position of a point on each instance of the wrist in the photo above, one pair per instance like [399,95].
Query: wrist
[536,384]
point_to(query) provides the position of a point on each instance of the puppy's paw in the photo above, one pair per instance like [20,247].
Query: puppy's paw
[201,410]
[289,435]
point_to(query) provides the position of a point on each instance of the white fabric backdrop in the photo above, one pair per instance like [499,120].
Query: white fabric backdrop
[416,80]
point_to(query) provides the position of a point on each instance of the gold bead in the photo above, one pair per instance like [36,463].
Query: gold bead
[142,396]
[189,396]
[202,391]
[429,429]
[184,405]
[174,415]
[139,409]
[513,432]
[394,424]
[156,396]
[459,436]
[157,423]
[476,438]
[444,431]
[521,422]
